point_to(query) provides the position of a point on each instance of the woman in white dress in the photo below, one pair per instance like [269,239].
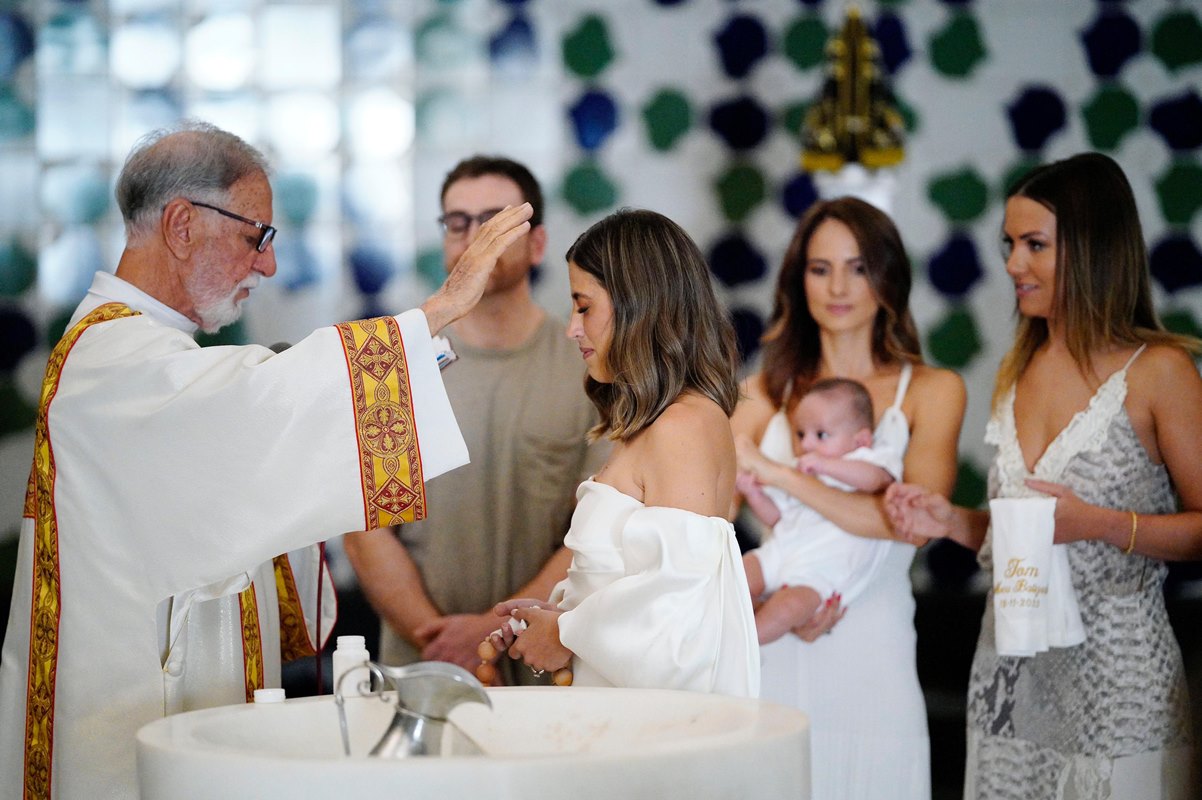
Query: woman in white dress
[1100,407]
[656,595]
[842,311]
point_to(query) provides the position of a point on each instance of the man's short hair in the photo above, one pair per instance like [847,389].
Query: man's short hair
[191,159]
[480,165]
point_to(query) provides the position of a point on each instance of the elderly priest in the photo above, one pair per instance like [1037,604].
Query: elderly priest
[161,467]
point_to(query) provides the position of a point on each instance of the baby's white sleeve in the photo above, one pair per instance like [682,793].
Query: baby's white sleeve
[886,458]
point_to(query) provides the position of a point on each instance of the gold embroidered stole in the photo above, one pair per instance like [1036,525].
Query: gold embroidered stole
[252,641]
[47,598]
[389,460]
[390,473]
[294,633]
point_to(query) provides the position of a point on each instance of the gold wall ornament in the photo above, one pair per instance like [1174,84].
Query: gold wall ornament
[855,119]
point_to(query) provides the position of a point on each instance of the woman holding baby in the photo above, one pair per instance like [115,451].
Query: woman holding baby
[1099,407]
[841,311]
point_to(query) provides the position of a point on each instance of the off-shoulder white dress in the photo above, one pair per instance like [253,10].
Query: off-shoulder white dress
[655,598]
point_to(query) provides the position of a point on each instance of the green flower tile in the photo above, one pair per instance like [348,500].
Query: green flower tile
[1016,171]
[740,189]
[957,49]
[296,196]
[18,268]
[972,487]
[586,188]
[804,41]
[792,116]
[16,118]
[962,196]
[955,341]
[1181,321]
[57,326]
[440,41]
[667,117]
[430,267]
[230,334]
[1177,39]
[587,50]
[1111,114]
[910,116]
[1179,191]
[16,413]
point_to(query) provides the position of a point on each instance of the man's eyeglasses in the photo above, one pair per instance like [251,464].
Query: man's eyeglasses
[266,232]
[457,223]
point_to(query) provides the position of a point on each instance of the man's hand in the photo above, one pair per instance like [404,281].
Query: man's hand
[455,638]
[464,287]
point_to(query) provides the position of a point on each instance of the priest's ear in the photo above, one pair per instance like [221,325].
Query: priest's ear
[178,227]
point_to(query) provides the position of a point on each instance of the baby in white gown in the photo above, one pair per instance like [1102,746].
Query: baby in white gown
[808,558]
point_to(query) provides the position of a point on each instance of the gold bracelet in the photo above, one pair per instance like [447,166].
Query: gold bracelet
[1134,527]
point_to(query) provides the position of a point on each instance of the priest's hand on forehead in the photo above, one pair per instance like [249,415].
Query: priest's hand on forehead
[465,285]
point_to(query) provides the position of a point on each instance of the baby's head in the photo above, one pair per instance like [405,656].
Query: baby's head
[832,418]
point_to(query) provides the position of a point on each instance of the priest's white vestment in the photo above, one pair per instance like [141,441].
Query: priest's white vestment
[221,642]
[162,467]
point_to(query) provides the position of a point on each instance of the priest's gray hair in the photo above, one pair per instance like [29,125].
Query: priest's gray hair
[191,159]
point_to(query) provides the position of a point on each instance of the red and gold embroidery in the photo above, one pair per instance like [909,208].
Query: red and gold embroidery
[294,633]
[47,598]
[252,641]
[389,460]
[30,492]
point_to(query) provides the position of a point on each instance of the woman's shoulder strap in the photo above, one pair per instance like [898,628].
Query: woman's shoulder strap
[1134,356]
[903,383]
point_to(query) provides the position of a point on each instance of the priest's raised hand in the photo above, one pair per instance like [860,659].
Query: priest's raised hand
[465,285]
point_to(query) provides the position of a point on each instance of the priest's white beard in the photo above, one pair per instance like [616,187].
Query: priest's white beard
[215,307]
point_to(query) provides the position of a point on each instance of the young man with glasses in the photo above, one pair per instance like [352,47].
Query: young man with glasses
[496,527]
[161,466]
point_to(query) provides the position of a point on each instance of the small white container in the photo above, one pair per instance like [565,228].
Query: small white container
[350,655]
[268,696]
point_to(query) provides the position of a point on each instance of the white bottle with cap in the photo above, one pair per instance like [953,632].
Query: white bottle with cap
[350,655]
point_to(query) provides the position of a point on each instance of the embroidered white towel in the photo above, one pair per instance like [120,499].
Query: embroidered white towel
[1022,571]
[1065,628]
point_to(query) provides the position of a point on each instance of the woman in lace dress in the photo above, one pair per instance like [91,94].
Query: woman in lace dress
[1097,406]
[842,311]
[656,596]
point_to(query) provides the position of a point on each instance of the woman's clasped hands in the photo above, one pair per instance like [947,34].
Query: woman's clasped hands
[538,645]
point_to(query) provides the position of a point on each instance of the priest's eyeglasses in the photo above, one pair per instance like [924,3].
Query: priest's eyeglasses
[458,223]
[266,232]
